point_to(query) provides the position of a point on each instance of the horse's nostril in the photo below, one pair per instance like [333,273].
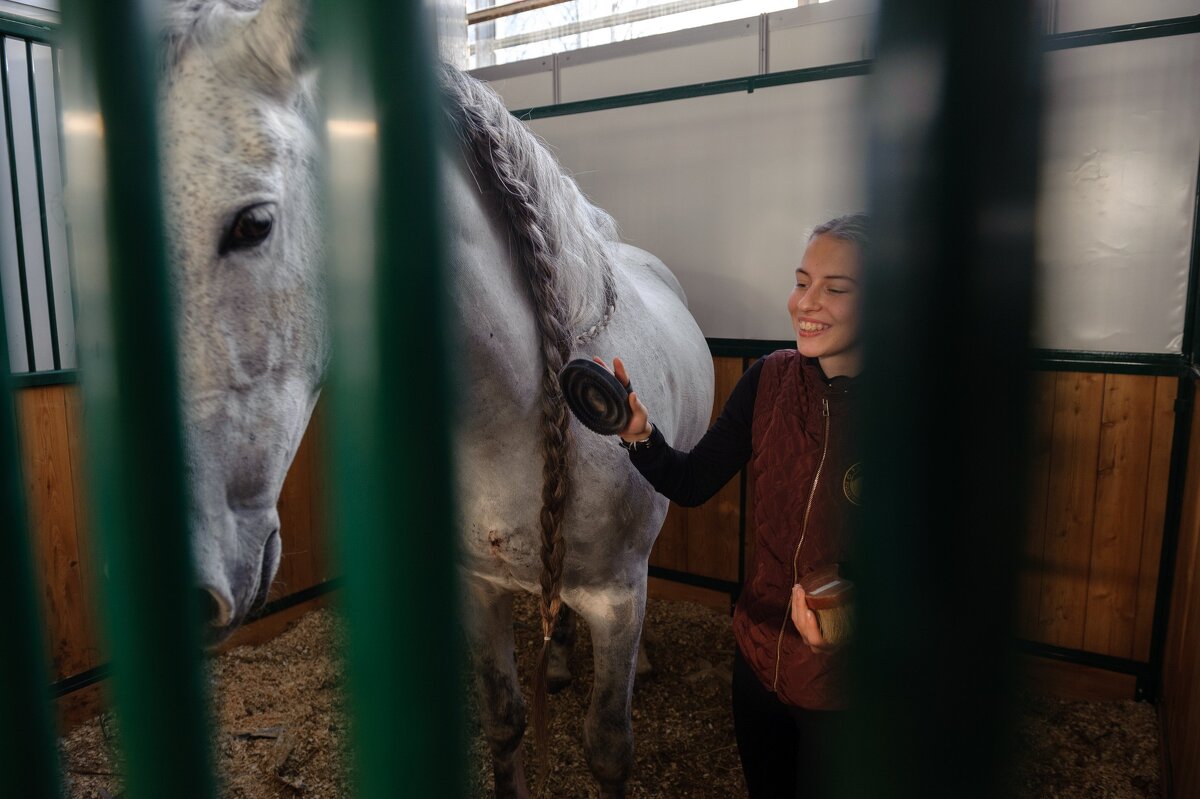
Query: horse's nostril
[213,612]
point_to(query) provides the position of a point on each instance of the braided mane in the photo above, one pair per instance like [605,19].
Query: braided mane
[561,239]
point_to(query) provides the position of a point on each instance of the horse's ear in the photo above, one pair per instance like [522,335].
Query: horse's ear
[274,46]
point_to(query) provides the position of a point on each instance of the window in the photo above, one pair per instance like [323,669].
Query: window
[583,23]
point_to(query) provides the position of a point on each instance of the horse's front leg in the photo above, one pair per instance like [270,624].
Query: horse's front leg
[614,615]
[489,624]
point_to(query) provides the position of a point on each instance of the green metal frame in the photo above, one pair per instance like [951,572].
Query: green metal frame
[151,612]
[952,197]
[393,477]
[45,33]
[28,762]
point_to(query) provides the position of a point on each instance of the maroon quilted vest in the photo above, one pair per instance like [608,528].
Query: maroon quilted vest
[806,491]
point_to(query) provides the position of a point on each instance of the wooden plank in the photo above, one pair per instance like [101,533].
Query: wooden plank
[42,417]
[670,548]
[1162,433]
[705,528]
[320,461]
[263,630]
[1124,460]
[712,528]
[1078,399]
[296,525]
[1063,680]
[85,543]
[1030,572]
[659,588]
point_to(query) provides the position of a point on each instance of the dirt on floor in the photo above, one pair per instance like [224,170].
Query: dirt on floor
[280,732]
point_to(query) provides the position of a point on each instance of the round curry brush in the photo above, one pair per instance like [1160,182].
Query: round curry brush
[597,398]
[831,597]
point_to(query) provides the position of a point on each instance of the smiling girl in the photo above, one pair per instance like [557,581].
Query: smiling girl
[789,418]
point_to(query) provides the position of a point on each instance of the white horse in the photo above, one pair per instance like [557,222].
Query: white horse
[539,277]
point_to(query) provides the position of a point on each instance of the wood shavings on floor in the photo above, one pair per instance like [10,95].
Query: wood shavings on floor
[280,731]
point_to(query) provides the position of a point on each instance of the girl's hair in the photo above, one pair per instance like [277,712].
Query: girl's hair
[851,227]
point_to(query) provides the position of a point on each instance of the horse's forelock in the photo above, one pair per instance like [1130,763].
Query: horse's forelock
[186,24]
[260,42]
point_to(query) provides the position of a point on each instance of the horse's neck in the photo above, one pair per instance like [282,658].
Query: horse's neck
[586,286]
[584,239]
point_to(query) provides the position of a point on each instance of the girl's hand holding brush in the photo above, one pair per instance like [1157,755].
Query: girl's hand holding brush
[806,622]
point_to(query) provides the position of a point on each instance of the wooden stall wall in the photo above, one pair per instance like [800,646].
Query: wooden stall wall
[1101,454]
[1180,706]
[52,450]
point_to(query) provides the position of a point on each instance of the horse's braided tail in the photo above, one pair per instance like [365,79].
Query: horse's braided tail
[499,144]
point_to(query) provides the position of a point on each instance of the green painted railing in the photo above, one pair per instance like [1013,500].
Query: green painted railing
[27,760]
[390,401]
[130,390]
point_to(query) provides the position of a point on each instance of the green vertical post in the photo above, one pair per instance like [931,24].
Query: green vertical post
[390,399]
[954,104]
[28,760]
[130,389]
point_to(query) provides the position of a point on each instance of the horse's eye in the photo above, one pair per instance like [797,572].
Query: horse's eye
[250,228]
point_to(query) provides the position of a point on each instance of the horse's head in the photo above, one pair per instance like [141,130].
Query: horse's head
[240,165]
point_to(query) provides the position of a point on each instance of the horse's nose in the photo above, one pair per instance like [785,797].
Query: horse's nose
[217,608]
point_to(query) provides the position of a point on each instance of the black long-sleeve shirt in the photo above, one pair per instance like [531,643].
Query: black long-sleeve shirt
[691,478]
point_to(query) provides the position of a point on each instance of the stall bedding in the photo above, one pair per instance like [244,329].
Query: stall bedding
[280,730]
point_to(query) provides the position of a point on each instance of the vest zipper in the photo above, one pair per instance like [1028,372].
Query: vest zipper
[787,612]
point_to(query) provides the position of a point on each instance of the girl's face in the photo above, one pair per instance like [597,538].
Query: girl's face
[824,305]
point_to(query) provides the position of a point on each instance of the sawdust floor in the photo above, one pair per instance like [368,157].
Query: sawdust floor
[280,731]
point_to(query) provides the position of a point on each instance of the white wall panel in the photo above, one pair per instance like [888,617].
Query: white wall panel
[802,37]
[27,191]
[1075,15]
[533,85]
[56,219]
[1117,192]
[10,277]
[728,50]
[725,188]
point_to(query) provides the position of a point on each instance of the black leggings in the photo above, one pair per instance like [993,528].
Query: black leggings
[784,749]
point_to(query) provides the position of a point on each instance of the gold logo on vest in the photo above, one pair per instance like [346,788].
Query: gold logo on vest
[852,483]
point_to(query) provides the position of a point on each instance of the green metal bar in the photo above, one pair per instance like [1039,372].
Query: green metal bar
[729,86]
[49,378]
[1128,363]
[41,187]
[22,280]
[1185,402]
[43,32]
[1134,363]
[28,757]
[1191,316]
[1156,29]
[130,389]
[952,185]
[392,483]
